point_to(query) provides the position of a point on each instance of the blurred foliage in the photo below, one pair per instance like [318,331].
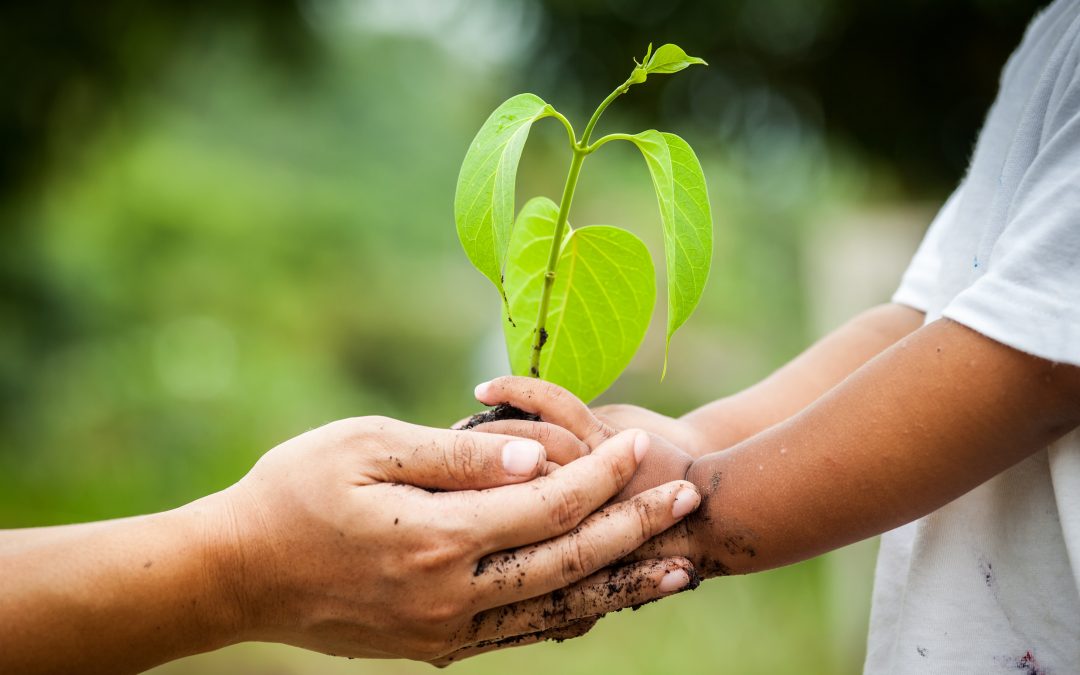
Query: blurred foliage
[224,223]
[68,65]
[904,83]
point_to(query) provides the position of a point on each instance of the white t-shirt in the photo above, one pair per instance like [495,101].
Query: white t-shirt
[989,583]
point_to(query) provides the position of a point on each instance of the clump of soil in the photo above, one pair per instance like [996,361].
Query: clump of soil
[503,411]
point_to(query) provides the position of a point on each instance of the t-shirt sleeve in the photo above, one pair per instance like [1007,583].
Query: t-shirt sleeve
[1029,296]
[920,280]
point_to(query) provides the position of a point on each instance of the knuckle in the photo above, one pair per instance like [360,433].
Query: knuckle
[676,541]
[367,424]
[466,458]
[341,435]
[353,430]
[571,565]
[567,509]
[436,558]
[544,434]
[442,612]
[558,442]
[619,473]
[599,430]
[554,393]
[471,538]
[645,513]
[462,539]
[397,576]
[578,558]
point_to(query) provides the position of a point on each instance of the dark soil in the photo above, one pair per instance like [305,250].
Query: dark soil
[503,411]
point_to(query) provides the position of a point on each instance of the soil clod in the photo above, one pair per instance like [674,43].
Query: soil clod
[503,411]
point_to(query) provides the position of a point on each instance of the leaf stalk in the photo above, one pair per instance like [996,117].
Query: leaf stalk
[566,123]
[619,91]
[607,139]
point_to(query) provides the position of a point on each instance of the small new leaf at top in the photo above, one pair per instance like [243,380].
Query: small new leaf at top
[669,58]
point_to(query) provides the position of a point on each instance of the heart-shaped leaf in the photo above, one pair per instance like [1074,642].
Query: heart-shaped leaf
[484,200]
[687,221]
[601,301]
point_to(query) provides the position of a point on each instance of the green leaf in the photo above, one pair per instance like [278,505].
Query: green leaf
[601,301]
[484,200]
[687,221]
[670,59]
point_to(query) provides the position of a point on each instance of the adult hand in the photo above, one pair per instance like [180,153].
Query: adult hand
[339,541]
[340,548]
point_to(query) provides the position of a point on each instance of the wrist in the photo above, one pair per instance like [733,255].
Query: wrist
[713,549]
[720,425]
[222,606]
[697,442]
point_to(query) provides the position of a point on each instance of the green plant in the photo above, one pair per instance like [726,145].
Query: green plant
[591,289]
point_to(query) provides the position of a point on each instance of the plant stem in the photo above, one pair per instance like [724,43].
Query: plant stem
[540,335]
[581,150]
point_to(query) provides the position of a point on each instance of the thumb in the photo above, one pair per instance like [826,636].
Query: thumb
[443,459]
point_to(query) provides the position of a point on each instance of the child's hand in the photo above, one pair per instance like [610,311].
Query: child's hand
[678,432]
[562,412]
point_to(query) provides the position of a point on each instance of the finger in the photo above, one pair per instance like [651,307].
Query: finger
[553,403]
[568,632]
[562,447]
[663,461]
[554,504]
[609,590]
[603,538]
[443,459]
[571,630]
[677,541]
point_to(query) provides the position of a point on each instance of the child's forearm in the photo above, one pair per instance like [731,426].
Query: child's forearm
[727,421]
[928,420]
[915,427]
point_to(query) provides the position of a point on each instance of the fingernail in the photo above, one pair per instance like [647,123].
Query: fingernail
[674,581]
[641,445]
[481,391]
[686,501]
[520,458]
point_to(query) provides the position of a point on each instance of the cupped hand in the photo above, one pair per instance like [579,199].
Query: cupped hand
[679,433]
[341,540]
[577,430]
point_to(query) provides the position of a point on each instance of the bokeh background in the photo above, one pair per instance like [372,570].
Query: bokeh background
[222,224]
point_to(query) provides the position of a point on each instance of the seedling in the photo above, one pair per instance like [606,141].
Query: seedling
[577,302]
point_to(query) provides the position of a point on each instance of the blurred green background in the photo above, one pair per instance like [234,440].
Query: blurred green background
[224,224]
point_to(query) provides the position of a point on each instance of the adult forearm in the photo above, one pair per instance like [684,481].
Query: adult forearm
[116,596]
[803,380]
